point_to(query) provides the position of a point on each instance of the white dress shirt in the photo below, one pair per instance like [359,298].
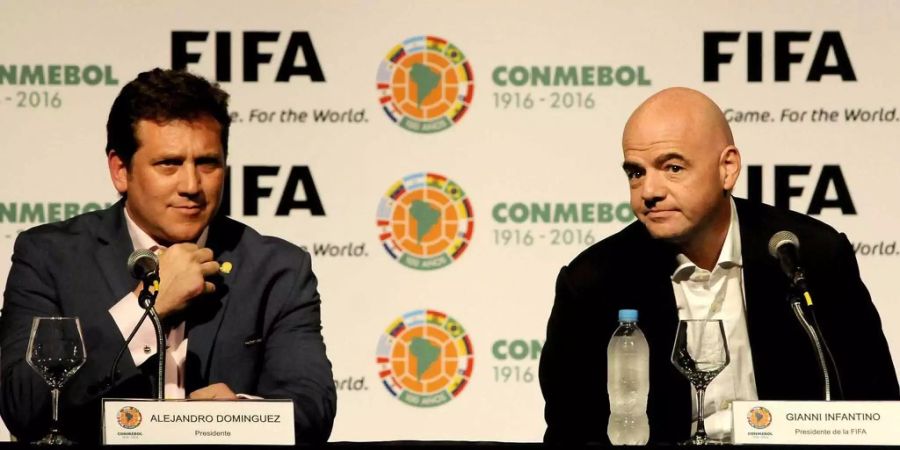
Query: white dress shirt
[126,313]
[701,294]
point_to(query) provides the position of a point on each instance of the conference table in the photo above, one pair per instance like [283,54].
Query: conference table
[439,445]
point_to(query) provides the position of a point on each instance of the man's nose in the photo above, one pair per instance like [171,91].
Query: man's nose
[653,188]
[189,182]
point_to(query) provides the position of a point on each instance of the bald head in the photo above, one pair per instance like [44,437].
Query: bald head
[678,112]
[682,164]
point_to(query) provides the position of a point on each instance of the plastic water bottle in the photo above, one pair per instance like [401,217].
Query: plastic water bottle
[628,382]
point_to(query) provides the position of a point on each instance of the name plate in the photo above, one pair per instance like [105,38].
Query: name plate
[816,422]
[214,422]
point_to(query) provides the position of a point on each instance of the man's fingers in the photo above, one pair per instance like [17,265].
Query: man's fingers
[209,268]
[185,246]
[214,391]
[208,288]
[203,255]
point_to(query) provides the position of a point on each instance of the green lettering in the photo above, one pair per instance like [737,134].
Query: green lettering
[8,74]
[605,212]
[541,74]
[92,75]
[518,76]
[604,73]
[565,213]
[587,212]
[536,348]
[8,212]
[566,76]
[72,74]
[625,76]
[54,210]
[495,349]
[496,212]
[108,75]
[498,80]
[624,212]
[31,213]
[518,212]
[32,75]
[587,75]
[641,80]
[54,74]
[91,207]
[539,211]
[71,210]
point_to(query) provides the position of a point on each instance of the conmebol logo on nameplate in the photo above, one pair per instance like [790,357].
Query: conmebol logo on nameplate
[816,423]
[241,422]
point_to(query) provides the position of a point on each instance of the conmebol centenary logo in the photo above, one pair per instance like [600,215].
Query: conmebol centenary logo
[425,358]
[759,418]
[425,221]
[425,84]
[129,417]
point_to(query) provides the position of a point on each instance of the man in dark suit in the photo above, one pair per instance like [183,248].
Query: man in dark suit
[242,310]
[682,164]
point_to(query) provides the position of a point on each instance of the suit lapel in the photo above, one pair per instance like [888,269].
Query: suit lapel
[205,319]
[775,337]
[112,254]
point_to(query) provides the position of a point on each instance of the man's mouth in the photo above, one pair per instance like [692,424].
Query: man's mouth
[659,213]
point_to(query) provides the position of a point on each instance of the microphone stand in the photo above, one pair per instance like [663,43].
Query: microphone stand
[814,339]
[811,327]
[147,299]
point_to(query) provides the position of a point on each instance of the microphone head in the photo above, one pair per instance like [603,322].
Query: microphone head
[141,262]
[781,238]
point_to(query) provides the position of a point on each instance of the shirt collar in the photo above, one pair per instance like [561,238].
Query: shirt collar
[729,256]
[140,238]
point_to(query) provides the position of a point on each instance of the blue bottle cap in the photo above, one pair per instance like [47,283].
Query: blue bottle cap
[628,315]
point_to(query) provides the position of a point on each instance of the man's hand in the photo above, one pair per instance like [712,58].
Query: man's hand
[218,391]
[183,269]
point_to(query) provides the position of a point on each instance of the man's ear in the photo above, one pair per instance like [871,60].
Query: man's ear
[729,167]
[118,171]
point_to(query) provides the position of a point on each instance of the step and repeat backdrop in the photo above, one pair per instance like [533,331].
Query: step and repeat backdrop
[442,160]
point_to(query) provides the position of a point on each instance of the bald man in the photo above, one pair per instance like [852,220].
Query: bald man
[695,253]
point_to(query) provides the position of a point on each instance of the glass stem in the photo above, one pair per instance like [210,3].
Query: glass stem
[54,423]
[701,429]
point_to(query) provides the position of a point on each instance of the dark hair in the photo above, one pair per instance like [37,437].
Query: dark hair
[161,96]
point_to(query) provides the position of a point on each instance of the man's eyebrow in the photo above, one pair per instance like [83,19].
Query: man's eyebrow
[668,156]
[168,155]
[628,165]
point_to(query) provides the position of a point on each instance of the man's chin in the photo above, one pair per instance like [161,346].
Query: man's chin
[664,233]
[182,235]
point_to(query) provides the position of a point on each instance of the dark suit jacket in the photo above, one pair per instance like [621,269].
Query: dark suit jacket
[259,333]
[632,270]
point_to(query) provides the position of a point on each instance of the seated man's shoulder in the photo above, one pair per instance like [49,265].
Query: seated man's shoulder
[615,254]
[64,235]
[266,249]
[809,230]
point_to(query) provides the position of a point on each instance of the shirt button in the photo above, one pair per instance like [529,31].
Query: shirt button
[147,349]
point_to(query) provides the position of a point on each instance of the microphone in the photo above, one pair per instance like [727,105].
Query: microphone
[784,246]
[144,265]
[141,263]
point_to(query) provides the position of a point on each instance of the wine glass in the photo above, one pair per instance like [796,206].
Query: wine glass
[700,353]
[56,352]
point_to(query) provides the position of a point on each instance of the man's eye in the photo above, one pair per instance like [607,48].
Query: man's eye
[634,174]
[675,168]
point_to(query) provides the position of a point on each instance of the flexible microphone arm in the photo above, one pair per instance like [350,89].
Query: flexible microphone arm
[784,247]
[147,300]
[816,343]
